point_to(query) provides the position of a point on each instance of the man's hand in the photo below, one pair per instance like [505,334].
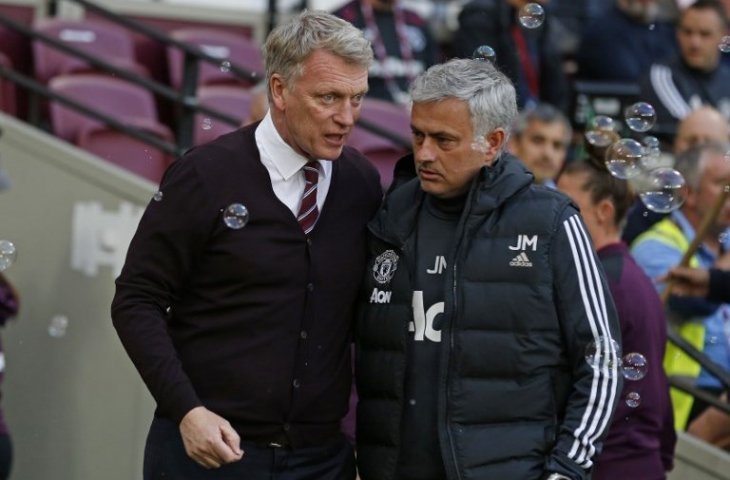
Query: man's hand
[209,439]
[686,281]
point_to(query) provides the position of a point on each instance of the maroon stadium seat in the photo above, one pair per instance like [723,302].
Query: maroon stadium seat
[226,46]
[234,101]
[382,152]
[125,102]
[7,90]
[127,152]
[106,41]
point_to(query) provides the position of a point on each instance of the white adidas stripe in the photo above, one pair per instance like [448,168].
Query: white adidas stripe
[603,388]
[600,423]
[666,90]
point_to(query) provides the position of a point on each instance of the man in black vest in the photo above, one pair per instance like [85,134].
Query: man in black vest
[488,345]
[236,300]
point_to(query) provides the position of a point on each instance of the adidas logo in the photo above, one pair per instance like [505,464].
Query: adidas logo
[520,260]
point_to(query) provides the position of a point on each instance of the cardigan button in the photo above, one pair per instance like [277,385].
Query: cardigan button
[303,334]
[296,383]
[310,287]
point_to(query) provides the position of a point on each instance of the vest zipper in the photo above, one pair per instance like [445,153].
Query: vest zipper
[448,369]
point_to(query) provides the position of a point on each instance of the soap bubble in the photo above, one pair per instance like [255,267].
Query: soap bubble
[623,158]
[633,399]
[225,66]
[601,131]
[635,366]
[603,353]
[640,117]
[8,254]
[485,52]
[207,124]
[57,327]
[235,216]
[532,15]
[157,197]
[652,153]
[725,44]
[663,190]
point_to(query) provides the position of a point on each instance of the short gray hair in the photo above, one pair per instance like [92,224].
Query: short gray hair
[488,92]
[545,113]
[289,44]
[691,162]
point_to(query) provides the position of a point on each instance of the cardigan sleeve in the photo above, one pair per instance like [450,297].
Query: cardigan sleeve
[159,259]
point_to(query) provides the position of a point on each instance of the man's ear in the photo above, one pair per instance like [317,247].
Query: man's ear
[279,91]
[494,142]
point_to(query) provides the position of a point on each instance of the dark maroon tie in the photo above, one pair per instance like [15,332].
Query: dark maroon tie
[309,212]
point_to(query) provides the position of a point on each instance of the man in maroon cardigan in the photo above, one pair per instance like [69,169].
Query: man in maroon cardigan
[237,315]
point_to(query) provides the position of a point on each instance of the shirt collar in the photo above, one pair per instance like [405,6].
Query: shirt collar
[689,233]
[285,160]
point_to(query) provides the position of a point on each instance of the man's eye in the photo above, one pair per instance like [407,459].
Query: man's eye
[328,98]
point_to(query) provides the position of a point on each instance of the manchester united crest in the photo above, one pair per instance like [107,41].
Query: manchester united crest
[385,266]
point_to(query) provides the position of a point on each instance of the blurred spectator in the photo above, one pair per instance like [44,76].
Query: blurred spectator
[640,441]
[8,309]
[695,76]
[660,248]
[529,57]
[713,284]
[618,46]
[9,302]
[702,125]
[540,139]
[259,105]
[402,43]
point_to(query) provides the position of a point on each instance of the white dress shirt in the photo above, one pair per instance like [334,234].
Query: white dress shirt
[285,167]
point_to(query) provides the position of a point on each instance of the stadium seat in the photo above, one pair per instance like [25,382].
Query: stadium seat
[231,100]
[7,90]
[226,46]
[125,102]
[127,152]
[381,151]
[109,42]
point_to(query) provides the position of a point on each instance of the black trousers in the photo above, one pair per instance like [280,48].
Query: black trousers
[165,458]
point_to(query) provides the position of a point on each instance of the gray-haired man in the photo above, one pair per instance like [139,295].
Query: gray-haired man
[483,296]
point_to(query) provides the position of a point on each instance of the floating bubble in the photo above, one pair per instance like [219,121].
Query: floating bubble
[532,15]
[633,399]
[412,401]
[157,197]
[57,327]
[623,158]
[8,254]
[225,66]
[207,124]
[663,191]
[603,353]
[480,145]
[652,153]
[640,117]
[235,216]
[601,131]
[724,45]
[485,52]
[634,366]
